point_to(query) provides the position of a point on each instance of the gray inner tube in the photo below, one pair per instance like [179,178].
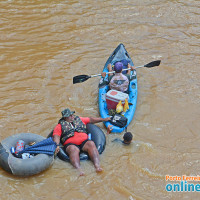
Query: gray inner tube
[23,167]
[97,136]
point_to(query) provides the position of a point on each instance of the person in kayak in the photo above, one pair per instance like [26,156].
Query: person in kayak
[127,138]
[126,65]
[71,132]
[118,81]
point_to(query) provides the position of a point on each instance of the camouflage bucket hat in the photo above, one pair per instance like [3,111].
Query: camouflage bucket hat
[67,112]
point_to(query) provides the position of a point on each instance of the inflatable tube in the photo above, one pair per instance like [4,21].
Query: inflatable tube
[97,135]
[23,167]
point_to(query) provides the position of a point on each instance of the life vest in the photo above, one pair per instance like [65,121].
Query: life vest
[68,129]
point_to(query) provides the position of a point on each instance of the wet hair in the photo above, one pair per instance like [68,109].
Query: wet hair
[128,136]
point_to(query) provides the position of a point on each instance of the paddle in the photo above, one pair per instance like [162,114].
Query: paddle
[82,78]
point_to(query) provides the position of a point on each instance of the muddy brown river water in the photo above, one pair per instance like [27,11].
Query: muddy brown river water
[43,44]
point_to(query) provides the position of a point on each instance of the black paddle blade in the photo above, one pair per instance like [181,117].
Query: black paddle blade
[153,64]
[80,78]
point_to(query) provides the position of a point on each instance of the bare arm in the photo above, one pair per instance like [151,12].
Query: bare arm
[56,139]
[128,72]
[94,120]
[109,129]
[109,69]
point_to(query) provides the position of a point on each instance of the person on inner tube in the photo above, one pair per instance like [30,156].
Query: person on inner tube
[118,81]
[71,132]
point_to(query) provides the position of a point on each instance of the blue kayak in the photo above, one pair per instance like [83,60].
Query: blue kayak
[119,54]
